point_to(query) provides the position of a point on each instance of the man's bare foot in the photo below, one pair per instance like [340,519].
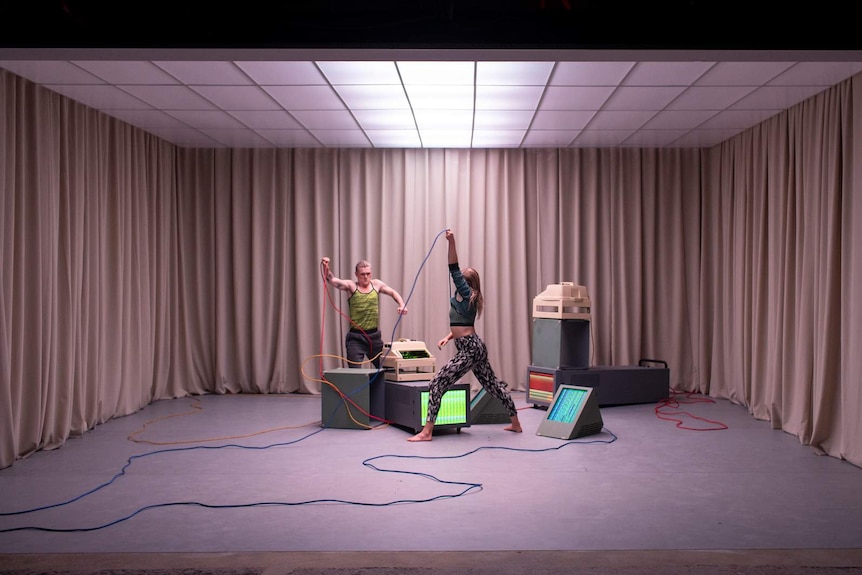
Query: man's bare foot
[515,428]
[421,436]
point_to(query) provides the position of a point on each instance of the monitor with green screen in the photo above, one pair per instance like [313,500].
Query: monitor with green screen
[453,408]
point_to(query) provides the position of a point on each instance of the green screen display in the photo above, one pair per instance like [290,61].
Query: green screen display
[453,407]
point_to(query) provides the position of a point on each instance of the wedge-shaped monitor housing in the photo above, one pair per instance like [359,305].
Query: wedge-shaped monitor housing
[574,412]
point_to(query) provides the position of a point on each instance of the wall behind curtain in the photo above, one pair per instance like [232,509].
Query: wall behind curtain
[135,271]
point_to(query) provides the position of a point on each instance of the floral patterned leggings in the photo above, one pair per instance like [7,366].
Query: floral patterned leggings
[472,354]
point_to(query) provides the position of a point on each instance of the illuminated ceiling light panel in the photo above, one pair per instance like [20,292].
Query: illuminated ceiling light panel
[440,97]
[444,119]
[394,138]
[362,97]
[498,138]
[513,73]
[437,73]
[503,119]
[360,73]
[446,138]
[508,97]
[385,119]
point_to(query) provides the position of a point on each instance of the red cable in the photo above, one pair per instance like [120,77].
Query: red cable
[673,402]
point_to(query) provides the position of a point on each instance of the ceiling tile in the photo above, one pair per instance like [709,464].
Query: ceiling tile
[642,97]
[554,120]
[666,73]
[267,119]
[444,119]
[437,97]
[742,73]
[360,73]
[100,97]
[237,97]
[590,73]
[206,73]
[342,138]
[378,97]
[325,119]
[290,138]
[170,97]
[653,138]
[446,138]
[710,97]
[186,137]
[502,120]
[678,119]
[283,73]
[497,138]
[147,119]
[549,138]
[394,138]
[206,119]
[817,74]
[600,101]
[118,72]
[601,138]
[737,119]
[240,138]
[629,120]
[305,97]
[508,97]
[385,119]
[776,97]
[575,97]
[51,72]
[437,73]
[513,73]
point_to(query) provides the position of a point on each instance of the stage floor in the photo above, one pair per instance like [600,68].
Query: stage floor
[257,473]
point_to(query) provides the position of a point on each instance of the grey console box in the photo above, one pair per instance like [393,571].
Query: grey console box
[561,343]
[614,385]
[364,398]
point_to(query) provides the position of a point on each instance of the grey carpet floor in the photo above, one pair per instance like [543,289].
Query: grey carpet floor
[644,496]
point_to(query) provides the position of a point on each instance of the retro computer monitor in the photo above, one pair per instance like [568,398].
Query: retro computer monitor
[407,405]
[573,413]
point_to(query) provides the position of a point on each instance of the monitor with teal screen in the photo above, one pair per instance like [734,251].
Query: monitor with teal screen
[574,412]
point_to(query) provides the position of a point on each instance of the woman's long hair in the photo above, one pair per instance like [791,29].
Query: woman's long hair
[477,302]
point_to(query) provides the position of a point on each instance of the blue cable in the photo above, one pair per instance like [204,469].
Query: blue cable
[468,486]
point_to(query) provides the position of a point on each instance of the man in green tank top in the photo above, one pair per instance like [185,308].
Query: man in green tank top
[364,339]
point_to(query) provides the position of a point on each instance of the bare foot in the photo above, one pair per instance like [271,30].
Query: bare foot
[421,436]
[515,428]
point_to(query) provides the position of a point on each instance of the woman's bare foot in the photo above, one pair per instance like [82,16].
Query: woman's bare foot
[516,425]
[425,434]
[421,436]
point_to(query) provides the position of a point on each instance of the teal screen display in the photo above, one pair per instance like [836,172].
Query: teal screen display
[568,405]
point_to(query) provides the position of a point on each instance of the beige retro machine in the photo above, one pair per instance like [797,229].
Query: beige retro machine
[562,301]
[408,360]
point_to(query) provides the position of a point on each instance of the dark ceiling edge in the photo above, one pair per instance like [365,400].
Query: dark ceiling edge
[480,54]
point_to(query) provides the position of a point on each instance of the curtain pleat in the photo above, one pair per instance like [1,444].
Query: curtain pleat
[134,271]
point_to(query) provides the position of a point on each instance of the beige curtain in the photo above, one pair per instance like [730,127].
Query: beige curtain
[779,312]
[135,271]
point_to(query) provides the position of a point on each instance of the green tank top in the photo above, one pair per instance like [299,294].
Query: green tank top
[364,309]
